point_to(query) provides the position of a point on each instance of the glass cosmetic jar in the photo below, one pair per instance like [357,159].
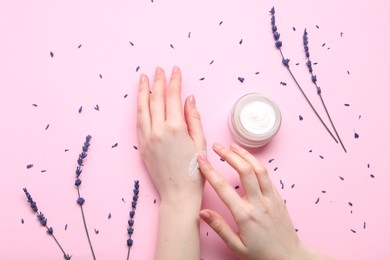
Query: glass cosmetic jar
[254,120]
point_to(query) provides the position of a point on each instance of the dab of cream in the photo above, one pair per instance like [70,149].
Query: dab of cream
[257,117]
[193,167]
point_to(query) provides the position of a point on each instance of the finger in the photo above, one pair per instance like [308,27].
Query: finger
[143,110]
[157,104]
[261,173]
[245,170]
[174,105]
[227,194]
[194,123]
[222,228]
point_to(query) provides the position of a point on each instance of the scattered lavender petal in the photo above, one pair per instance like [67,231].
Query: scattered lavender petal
[297,64]
[356,135]
[322,157]
[114,145]
[29,166]
[346,104]
[271,160]
[80,109]
[372,176]
[137,69]
[292,186]
[202,78]
[131,43]
[241,79]
[135,147]
[294,29]
[353,231]
[257,72]
[97,108]
[323,45]
[66,227]
[364,225]
[125,96]
[300,118]
[101,76]
[341,178]
[275,169]
[220,23]
[211,62]
[172,46]
[66,150]
[282,184]
[51,54]
[350,204]
[222,160]
[109,215]
[79,46]
[43,171]
[310,151]
[189,34]
[341,34]
[22,220]
[237,187]
[35,105]
[368,165]
[323,191]
[318,200]
[317,27]
[123,200]
[283,83]
[154,201]
[240,42]
[96,231]
[47,127]
[348,72]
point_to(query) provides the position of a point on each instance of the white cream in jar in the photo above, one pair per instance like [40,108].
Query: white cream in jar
[254,120]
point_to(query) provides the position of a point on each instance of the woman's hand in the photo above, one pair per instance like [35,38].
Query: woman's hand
[170,142]
[170,139]
[265,227]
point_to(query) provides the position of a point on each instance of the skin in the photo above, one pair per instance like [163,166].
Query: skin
[168,140]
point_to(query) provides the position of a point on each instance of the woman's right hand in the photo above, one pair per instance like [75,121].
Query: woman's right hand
[265,228]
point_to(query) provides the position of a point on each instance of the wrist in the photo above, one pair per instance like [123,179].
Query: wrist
[309,254]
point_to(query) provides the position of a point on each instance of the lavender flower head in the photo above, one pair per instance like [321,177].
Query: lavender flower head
[274,28]
[130,229]
[43,220]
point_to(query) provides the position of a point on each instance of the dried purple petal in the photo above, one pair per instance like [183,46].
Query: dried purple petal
[77,182]
[300,118]
[278,44]
[241,79]
[80,201]
[114,145]
[276,36]
[29,166]
[356,135]
[285,62]
[129,242]
[51,54]
[80,109]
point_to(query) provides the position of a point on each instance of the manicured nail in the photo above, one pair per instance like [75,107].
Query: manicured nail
[205,215]
[175,69]
[142,78]
[217,147]
[192,101]
[158,70]
[235,146]
[202,157]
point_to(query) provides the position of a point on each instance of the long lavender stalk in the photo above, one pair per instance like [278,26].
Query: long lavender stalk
[43,220]
[81,200]
[130,229]
[285,62]
[314,80]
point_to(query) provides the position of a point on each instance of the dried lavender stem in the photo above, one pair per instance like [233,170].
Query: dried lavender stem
[128,254]
[331,122]
[86,230]
[307,99]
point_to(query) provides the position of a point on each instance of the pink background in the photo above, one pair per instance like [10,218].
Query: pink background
[30,30]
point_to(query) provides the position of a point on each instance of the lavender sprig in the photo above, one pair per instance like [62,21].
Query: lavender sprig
[130,228]
[314,80]
[80,200]
[43,220]
[285,61]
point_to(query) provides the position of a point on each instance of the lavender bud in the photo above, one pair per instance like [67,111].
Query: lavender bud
[133,204]
[136,191]
[314,78]
[274,28]
[306,48]
[278,44]
[272,11]
[135,198]
[130,222]
[67,257]
[83,155]
[78,171]
[129,242]
[42,219]
[305,42]
[50,231]
[130,230]
[318,90]
[80,161]
[273,22]
[132,213]
[307,54]
[285,62]
[80,201]
[276,36]
[77,182]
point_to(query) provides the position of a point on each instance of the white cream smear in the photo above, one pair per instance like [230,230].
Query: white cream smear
[257,117]
[193,167]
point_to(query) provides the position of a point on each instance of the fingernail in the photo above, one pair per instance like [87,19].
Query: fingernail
[142,78]
[158,70]
[175,69]
[192,100]
[217,147]
[202,157]
[205,215]
[235,146]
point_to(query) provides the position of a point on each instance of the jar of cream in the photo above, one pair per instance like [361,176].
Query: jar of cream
[254,120]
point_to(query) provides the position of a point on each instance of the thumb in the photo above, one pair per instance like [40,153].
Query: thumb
[194,124]
[219,225]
